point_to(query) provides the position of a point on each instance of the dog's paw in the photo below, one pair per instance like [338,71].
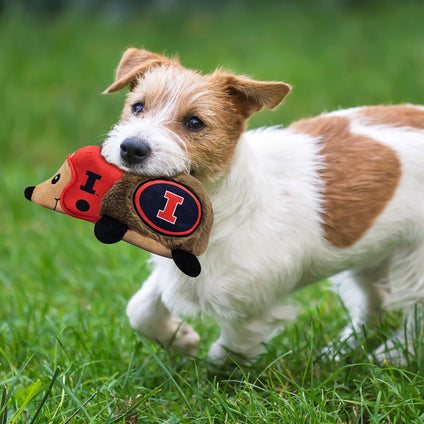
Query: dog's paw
[392,353]
[217,355]
[330,352]
[221,358]
[185,340]
[343,346]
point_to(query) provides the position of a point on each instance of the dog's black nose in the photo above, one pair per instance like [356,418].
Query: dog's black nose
[134,150]
[28,192]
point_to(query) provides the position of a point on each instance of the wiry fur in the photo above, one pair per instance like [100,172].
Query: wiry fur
[269,198]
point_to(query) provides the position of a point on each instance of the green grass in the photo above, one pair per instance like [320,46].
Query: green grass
[67,353]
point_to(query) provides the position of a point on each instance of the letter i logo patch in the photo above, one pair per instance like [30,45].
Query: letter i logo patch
[172,202]
[167,207]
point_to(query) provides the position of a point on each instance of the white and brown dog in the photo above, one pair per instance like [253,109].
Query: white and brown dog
[340,194]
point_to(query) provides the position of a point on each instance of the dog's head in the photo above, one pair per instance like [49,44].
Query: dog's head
[176,120]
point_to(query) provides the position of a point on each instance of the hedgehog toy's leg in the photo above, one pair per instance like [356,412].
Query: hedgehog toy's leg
[109,230]
[186,262]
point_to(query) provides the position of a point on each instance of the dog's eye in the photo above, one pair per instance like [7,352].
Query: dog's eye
[137,108]
[193,123]
[55,179]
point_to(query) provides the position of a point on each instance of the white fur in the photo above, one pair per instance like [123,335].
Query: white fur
[267,240]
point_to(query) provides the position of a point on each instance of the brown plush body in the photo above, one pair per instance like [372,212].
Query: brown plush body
[118,203]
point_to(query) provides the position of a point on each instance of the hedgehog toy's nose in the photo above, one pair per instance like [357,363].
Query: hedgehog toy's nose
[134,150]
[29,191]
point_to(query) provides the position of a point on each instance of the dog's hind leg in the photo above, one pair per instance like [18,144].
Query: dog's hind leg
[149,316]
[242,341]
[362,294]
[406,292]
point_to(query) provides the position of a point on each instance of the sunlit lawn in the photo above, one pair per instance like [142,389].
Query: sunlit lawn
[65,343]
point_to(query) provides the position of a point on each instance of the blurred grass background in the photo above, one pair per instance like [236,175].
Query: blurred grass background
[63,295]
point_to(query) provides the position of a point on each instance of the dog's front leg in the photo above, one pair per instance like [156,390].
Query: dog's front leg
[151,318]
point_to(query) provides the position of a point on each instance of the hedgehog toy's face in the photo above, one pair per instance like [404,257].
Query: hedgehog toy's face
[48,193]
[77,189]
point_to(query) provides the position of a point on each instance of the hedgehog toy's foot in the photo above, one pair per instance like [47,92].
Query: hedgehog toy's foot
[186,262]
[109,230]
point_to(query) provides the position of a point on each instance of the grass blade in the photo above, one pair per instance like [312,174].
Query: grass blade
[52,381]
[79,409]
[15,381]
[3,407]
[167,372]
[35,387]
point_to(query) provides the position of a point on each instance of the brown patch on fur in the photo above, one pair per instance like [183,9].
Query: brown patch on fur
[395,116]
[211,149]
[118,203]
[360,177]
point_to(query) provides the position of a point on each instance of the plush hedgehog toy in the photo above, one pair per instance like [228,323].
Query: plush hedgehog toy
[171,217]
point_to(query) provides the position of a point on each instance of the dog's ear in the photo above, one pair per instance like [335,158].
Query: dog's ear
[251,96]
[135,62]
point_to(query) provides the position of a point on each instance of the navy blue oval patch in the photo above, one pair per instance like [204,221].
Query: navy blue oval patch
[168,207]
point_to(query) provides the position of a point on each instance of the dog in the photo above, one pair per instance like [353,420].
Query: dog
[336,195]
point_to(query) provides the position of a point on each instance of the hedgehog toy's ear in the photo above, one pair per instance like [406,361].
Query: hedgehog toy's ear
[186,262]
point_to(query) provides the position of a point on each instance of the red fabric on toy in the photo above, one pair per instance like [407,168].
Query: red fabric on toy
[92,177]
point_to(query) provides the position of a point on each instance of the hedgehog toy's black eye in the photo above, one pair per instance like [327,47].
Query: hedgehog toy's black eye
[55,179]
[193,123]
[137,108]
